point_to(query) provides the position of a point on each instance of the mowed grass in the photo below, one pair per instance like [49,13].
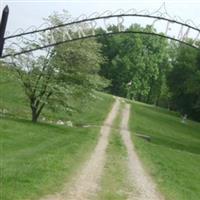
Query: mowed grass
[173,155]
[37,159]
[114,182]
[12,99]
[14,103]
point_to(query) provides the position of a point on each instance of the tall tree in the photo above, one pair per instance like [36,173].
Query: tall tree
[135,64]
[184,81]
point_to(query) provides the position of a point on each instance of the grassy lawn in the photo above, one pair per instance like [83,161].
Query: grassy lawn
[36,159]
[114,182]
[12,98]
[173,155]
[16,105]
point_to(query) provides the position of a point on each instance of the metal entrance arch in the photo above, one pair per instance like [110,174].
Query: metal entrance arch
[186,30]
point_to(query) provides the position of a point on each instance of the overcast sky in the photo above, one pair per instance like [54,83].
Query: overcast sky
[25,13]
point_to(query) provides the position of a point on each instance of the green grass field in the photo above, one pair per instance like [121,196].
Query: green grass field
[37,159]
[173,155]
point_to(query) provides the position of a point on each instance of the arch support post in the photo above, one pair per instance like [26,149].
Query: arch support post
[3,24]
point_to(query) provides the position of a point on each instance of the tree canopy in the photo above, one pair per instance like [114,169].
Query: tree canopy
[62,76]
[136,66]
[152,70]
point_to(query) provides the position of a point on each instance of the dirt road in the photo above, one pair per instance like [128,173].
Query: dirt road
[144,185]
[85,185]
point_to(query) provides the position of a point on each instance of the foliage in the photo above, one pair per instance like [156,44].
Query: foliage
[152,70]
[136,64]
[62,76]
[184,81]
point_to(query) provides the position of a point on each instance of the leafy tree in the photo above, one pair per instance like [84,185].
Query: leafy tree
[184,82]
[61,75]
[135,59]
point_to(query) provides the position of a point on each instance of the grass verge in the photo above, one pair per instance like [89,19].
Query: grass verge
[173,155]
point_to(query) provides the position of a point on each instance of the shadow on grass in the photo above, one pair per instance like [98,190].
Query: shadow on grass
[61,129]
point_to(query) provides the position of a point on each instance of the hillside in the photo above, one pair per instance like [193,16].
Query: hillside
[39,159]
[173,155]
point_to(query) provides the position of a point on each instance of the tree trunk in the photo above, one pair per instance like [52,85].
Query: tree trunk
[36,112]
[34,115]
[37,107]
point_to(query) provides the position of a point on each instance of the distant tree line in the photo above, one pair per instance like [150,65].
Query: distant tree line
[152,70]
[135,66]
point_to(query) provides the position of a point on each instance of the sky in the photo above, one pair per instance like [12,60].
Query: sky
[26,13]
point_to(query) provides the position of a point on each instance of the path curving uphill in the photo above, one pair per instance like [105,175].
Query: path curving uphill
[85,185]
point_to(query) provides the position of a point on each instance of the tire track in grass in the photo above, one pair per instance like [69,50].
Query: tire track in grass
[114,182]
[144,185]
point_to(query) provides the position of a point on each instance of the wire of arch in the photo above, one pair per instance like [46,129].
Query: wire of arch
[103,17]
[98,35]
